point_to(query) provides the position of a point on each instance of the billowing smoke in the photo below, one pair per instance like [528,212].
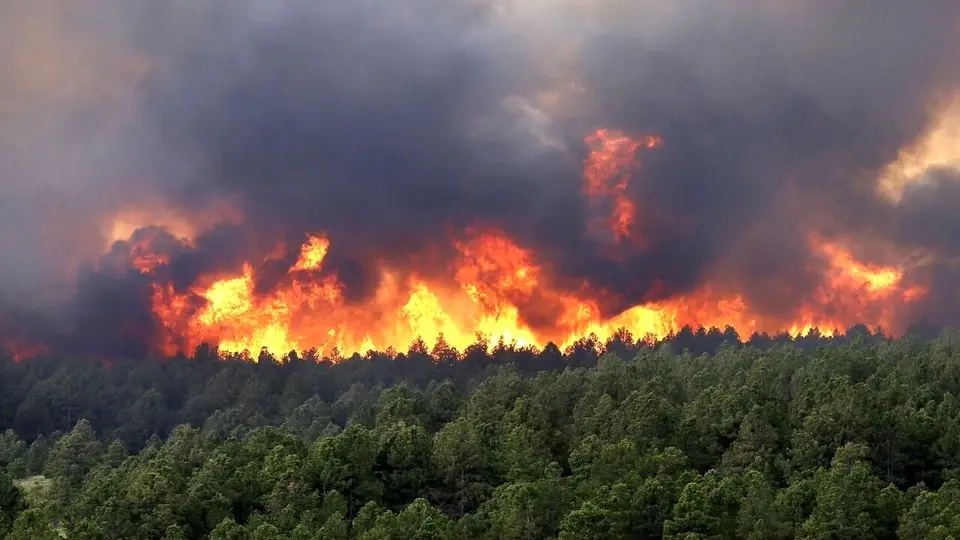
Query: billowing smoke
[394,127]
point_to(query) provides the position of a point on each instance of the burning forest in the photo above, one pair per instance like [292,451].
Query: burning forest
[355,176]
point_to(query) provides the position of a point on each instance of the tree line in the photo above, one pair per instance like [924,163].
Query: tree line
[701,436]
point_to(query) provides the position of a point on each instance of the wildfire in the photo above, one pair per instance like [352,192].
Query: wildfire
[496,288]
[312,254]
[496,285]
[873,292]
[21,349]
[494,278]
[142,257]
[607,171]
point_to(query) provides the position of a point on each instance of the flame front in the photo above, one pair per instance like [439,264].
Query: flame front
[496,289]
[494,277]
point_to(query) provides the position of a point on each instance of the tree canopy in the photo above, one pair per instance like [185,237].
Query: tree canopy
[852,437]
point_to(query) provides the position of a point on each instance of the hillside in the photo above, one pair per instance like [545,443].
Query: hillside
[852,437]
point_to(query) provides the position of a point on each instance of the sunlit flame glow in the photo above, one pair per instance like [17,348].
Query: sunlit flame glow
[938,147]
[121,226]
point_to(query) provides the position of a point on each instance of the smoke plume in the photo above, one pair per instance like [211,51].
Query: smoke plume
[225,129]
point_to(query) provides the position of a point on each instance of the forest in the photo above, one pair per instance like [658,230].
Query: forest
[700,436]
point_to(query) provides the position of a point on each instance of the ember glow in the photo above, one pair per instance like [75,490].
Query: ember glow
[607,172]
[22,349]
[493,277]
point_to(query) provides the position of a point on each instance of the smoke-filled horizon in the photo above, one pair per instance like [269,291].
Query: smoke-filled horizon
[395,129]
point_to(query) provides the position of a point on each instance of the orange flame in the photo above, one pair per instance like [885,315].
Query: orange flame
[607,172]
[144,259]
[312,254]
[500,291]
[494,277]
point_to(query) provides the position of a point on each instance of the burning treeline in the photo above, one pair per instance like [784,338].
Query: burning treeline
[495,288]
[350,175]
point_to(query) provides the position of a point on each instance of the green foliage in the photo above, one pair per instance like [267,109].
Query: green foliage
[73,456]
[11,504]
[806,440]
[34,524]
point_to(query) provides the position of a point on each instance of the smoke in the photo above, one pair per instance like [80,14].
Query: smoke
[66,123]
[394,127]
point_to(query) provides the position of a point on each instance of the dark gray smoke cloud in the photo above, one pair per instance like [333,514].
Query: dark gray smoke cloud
[396,126]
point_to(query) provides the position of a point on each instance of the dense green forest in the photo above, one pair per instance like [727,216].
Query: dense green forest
[697,437]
